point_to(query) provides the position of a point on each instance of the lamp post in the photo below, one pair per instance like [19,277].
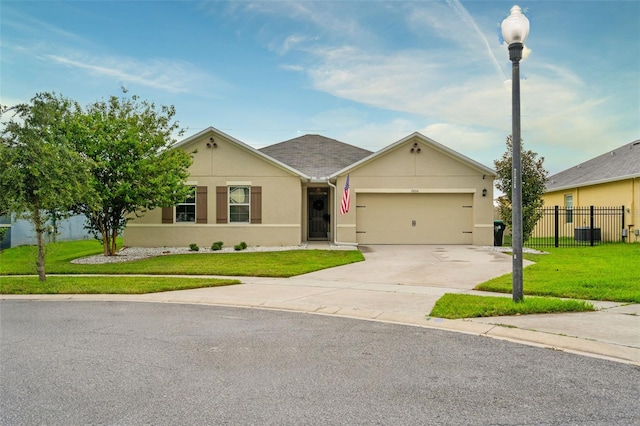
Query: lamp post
[515,29]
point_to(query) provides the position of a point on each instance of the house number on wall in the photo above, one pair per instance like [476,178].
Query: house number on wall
[415,190]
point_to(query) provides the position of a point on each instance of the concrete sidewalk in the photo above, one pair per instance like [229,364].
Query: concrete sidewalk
[401,285]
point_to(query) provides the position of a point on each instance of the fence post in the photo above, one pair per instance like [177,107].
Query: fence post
[591,230]
[629,237]
[556,227]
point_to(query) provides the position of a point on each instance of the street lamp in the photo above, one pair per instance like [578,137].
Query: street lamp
[515,29]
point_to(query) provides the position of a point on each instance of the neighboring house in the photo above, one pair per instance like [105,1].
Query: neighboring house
[20,231]
[414,191]
[611,179]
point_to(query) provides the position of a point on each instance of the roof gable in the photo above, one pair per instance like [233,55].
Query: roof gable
[215,133]
[316,156]
[621,163]
[431,143]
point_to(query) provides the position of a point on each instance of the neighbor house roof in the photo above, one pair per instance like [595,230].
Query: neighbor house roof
[315,155]
[621,163]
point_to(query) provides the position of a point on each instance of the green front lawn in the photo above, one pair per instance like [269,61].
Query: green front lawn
[21,260]
[604,272]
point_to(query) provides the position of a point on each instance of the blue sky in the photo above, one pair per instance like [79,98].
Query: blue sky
[364,72]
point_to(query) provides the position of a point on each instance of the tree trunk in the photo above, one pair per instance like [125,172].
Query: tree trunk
[38,225]
[105,242]
[114,243]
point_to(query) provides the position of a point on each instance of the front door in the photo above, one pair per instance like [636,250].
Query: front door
[318,213]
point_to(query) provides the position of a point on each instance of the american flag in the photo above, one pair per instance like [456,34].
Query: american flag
[346,200]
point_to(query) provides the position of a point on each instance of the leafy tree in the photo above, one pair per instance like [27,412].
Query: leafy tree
[534,179]
[134,169]
[40,175]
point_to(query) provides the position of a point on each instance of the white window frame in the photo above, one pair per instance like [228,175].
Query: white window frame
[568,204]
[234,204]
[189,203]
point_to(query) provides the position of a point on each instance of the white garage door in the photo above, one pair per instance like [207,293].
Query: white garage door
[414,218]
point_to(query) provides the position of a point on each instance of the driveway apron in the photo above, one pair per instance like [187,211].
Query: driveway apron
[442,266]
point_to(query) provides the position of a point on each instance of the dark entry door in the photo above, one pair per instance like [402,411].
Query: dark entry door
[318,214]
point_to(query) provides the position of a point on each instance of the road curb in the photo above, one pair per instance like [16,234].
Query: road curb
[570,344]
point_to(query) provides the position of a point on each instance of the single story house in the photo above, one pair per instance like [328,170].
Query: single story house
[414,191]
[610,179]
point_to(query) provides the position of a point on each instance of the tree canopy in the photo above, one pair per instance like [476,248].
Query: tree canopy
[40,175]
[134,168]
[534,179]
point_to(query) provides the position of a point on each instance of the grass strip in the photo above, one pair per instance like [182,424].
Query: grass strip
[454,306]
[104,285]
[605,272]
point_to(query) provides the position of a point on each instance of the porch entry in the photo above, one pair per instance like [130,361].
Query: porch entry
[319,218]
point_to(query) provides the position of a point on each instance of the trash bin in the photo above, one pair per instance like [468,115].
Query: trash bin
[498,232]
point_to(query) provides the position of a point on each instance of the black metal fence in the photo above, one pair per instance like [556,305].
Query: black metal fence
[578,226]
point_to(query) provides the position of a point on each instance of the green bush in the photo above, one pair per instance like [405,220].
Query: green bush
[240,246]
[217,246]
[194,247]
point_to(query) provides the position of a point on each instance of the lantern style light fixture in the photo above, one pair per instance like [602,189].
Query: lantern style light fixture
[515,27]
[515,30]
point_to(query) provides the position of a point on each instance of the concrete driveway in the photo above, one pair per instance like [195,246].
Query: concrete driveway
[395,283]
[440,266]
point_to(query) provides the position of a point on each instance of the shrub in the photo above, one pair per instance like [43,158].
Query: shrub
[194,247]
[240,246]
[217,246]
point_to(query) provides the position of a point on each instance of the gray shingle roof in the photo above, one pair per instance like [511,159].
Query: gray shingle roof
[315,155]
[621,163]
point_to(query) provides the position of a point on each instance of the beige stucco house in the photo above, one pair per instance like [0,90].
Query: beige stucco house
[414,191]
[610,179]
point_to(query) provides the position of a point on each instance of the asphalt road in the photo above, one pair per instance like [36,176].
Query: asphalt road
[145,363]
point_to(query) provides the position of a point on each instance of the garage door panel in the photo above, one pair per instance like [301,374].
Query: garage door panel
[414,218]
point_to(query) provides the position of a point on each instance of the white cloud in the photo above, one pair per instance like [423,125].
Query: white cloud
[291,42]
[377,135]
[459,84]
[473,109]
[171,76]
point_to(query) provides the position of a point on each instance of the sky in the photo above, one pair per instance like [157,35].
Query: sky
[367,73]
